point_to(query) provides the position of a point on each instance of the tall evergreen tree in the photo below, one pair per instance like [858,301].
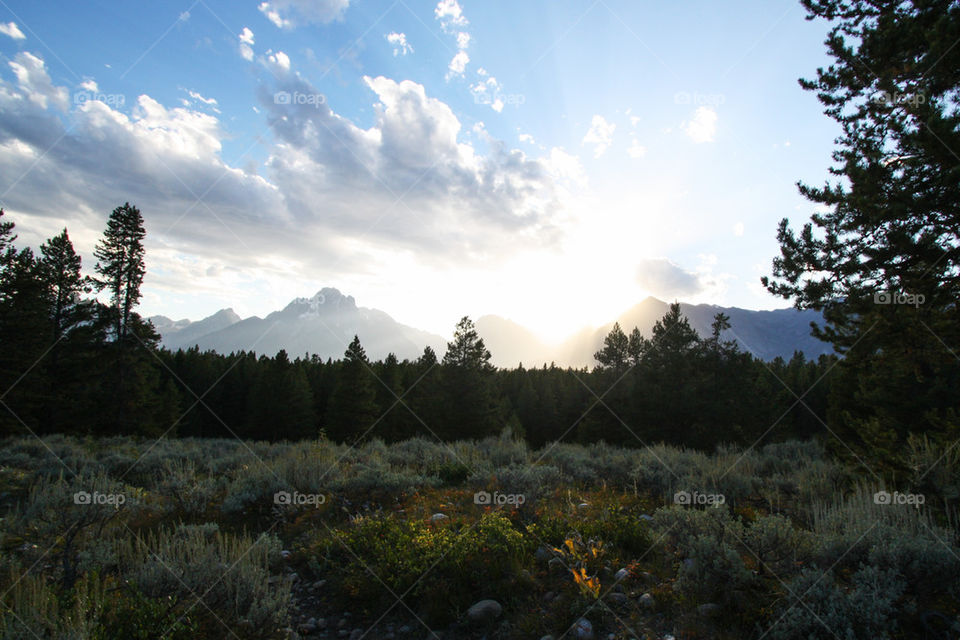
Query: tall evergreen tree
[471,408]
[121,265]
[353,410]
[890,226]
[615,354]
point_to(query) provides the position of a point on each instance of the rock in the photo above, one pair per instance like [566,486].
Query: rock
[646,600]
[312,622]
[404,629]
[343,633]
[583,505]
[484,611]
[708,609]
[583,629]
[548,596]
[356,634]
[618,598]
[646,517]
[321,623]
[306,628]
[319,584]
[342,623]
[437,517]
[556,564]
[622,574]
[547,638]
[292,635]
[285,554]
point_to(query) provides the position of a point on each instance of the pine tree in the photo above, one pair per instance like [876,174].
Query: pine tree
[353,410]
[60,270]
[891,222]
[615,354]
[120,263]
[471,408]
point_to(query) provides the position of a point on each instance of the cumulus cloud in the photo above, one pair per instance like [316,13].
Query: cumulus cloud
[12,30]
[286,14]
[665,279]
[199,98]
[246,43]
[600,135]
[279,61]
[452,196]
[33,78]
[703,126]
[458,64]
[738,229]
[400,45]
[332,194]
[449,13]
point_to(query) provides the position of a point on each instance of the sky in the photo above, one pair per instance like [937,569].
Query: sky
[553,162]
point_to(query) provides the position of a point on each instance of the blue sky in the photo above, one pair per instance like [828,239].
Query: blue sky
[551,162]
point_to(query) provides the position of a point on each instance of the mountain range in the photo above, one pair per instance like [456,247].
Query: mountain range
[325,323]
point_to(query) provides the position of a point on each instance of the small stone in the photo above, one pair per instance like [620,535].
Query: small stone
[556,564]
[548,596]
[646,600]
[404,629]
[646,517]
[319,584]
[618,598]
[356,634]
[583,629]
[708,609]
[285,554]
[437,517]
[343,633]
[306,628]
[547,638]
[583,505]
[484,611]
[342,623]
[622,574]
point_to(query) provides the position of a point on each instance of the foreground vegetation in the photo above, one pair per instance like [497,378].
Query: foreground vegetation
[128,538]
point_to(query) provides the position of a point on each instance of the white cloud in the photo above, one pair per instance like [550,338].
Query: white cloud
[246,44]
[199,98]
[279,60]
[636,150]
[286,14]
[400,45]
[32,77]
[663,278]
[11,29]
[449,13]
[703,126]
[463,40]
[90,85]
[526,137]
[458,64]
[600,135]
[738,229]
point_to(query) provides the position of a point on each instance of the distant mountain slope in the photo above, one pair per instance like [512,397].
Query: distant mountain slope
[766,334]
[323,325]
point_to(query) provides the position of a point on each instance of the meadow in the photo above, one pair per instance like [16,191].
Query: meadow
[189,538]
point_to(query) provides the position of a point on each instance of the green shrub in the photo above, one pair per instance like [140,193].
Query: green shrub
[815,606]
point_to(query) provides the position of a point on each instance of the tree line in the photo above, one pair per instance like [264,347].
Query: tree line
[72,363]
